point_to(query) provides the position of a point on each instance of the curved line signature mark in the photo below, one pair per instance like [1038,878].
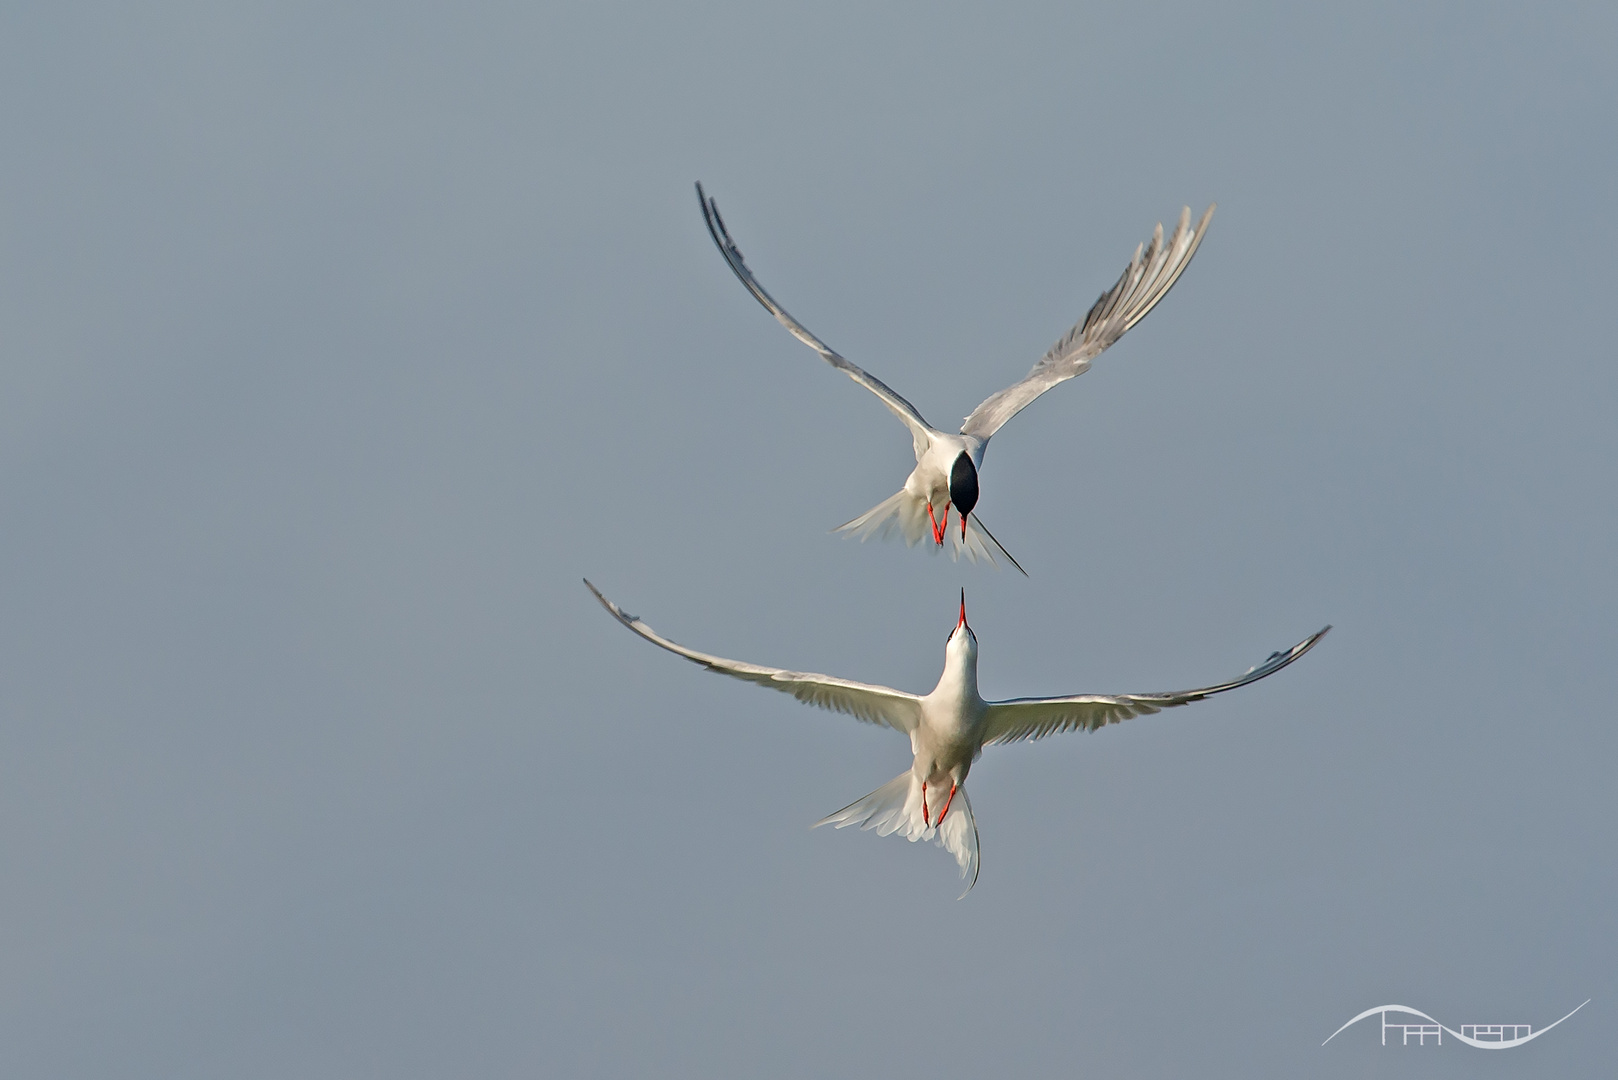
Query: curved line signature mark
[1480,1044]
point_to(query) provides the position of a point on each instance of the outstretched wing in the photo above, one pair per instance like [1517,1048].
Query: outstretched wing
[1035,718]
[919,428]
[1147,279]
[873,704]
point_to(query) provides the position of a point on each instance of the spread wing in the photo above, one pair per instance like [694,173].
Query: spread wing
[919,428]
[1035,718]
[1145,281]
[873,704]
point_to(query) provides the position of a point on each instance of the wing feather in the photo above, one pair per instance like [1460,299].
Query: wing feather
[919,428]
[1145,281]
[872,704]
[1035,718]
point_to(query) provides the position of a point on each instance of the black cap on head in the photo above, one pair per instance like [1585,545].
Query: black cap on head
[963,484]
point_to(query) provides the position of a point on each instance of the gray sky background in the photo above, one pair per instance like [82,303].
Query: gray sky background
[338,343]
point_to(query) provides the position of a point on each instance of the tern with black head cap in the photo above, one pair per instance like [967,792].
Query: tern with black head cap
[948,727]
[947,465]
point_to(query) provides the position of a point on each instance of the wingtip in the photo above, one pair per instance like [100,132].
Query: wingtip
[588,584]
[612,609]
[1309,642]
[710,214]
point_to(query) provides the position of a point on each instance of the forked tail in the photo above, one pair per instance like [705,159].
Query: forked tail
[895,807]
[905,515]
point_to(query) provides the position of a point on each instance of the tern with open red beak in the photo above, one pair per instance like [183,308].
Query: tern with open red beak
[948,728]
[947,465]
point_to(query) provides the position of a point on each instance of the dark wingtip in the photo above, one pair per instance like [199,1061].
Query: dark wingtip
[710,209]
[612,609]
[1306,644]
[716,228]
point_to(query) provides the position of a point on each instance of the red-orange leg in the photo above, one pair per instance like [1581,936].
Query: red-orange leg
[924,820]
[947,801]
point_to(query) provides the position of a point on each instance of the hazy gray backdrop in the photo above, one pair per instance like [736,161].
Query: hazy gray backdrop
[338,342]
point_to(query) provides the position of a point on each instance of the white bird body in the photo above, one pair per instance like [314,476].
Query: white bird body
[948,737]
[948,728]
[930,478]
[947,465]
[928,485]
